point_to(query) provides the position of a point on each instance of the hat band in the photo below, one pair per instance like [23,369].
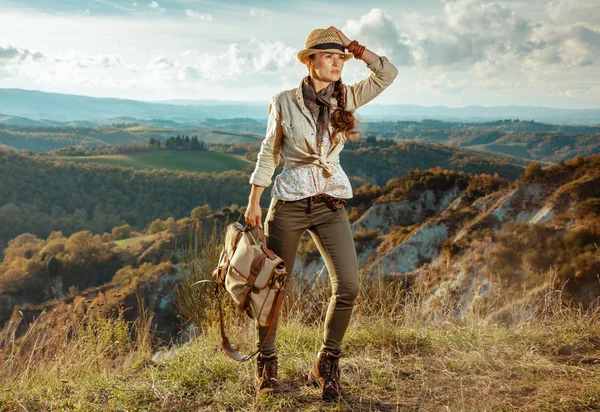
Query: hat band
[325,46]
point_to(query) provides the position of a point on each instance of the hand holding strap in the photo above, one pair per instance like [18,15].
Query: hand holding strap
[263,243]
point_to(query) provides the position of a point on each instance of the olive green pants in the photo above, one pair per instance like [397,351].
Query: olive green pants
[284,224]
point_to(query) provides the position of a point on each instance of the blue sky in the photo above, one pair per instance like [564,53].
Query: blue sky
[452,53]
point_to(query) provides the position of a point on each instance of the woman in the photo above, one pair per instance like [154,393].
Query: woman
[308,127]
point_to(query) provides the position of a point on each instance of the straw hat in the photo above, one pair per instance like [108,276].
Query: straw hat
[323,40]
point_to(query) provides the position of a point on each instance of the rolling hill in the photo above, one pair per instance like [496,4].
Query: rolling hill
[166,159]
[37,105]
[45,138]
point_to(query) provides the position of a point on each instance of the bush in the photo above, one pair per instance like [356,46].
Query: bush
[157,226]
[201,212]
[590,207]
[534,171]
[121,232]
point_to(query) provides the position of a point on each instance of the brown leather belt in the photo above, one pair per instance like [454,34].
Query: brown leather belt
[330,201]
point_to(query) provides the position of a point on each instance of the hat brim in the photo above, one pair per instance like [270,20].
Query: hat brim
[303,54]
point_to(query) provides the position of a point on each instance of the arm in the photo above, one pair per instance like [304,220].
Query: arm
[270,149]
[383,74]
[268,159]
[253,215]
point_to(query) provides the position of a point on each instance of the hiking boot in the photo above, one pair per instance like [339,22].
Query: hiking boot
[266,374]
[325,373]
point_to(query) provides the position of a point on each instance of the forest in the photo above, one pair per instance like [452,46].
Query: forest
[40,194]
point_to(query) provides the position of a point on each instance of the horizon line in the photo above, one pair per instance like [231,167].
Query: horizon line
[266,101]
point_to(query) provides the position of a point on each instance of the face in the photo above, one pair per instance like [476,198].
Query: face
[325,66]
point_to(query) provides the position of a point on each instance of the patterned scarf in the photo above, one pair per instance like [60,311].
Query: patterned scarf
[319,105]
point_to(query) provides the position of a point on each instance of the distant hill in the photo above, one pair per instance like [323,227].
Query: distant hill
[527,140]
[40,194]
[209,161]
[377,112]
[44,138]
[37,105]
[383,160]
[236,124]
[19,121]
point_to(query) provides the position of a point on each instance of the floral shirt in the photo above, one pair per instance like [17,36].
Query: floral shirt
[298,183]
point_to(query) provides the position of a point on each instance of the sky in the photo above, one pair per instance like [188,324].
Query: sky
[449,53]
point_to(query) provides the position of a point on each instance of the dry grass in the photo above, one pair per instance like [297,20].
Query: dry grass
[401,353]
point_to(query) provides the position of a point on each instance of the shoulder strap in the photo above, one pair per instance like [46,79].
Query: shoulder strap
[263,243]
[226,345]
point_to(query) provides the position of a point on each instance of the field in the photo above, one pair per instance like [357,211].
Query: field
[514,149]
[401,353]
[172,160]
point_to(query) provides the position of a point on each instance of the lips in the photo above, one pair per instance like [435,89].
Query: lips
[335,71]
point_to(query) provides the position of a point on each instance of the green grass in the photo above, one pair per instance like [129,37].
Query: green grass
[400,353]
[386,367]
[142,128]
[172,160]
[123,243]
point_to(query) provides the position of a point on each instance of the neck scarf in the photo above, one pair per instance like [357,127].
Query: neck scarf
[319,104]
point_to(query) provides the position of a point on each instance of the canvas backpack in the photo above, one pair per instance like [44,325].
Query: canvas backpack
[254,276]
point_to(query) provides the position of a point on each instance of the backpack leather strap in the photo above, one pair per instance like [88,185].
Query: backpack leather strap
[226,345]
[263,243]
[254,271]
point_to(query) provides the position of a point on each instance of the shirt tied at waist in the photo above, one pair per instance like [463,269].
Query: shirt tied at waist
[328,165]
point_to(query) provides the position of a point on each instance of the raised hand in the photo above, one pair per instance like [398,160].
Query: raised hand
[344,39]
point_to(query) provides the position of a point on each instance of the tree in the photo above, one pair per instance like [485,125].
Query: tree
[171,225]
[121,232]
[201,212]
[533,171]
[156,226]
[154,143]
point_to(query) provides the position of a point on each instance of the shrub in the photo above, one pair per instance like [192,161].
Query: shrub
[121,232]
[534,171]
[588,208]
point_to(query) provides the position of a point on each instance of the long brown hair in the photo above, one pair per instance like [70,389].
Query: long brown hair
[342,120]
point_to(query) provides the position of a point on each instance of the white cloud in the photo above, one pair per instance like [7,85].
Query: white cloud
[161,63]
[189,73]
[488,68]
[594,91]
[79,60]
[273,56]
[257,11]
[477,37]
[456,51]
[261,61]
[195,15]
[10,54]
[468,32]
[565,46]
[574,11]
[378,32]
[441,85]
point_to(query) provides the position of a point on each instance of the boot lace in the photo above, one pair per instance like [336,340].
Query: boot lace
[334,371]
[331,365]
